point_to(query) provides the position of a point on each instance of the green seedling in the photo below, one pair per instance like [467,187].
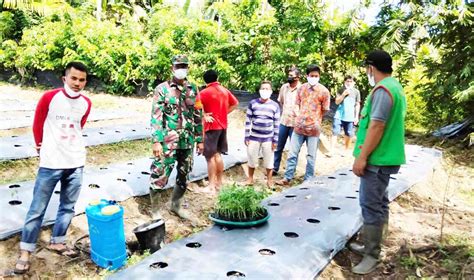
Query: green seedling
[238,203]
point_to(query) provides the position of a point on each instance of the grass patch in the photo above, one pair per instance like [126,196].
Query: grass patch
[18,170]
[450,259]
[26,169]
[118,152]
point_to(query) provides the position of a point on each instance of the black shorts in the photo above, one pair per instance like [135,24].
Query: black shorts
[215,141]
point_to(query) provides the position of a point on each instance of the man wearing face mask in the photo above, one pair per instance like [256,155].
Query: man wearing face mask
[261,131]
[313,102]
[347,113]
[379,152]
[59,119]
[176,123]
[287,99]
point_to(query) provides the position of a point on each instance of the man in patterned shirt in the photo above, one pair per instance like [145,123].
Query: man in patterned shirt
[313,102]
[176,122]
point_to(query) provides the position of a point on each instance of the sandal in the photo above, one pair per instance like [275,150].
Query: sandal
[65,251]
[26,267]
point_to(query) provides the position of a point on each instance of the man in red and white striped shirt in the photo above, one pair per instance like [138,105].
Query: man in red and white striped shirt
[59,119]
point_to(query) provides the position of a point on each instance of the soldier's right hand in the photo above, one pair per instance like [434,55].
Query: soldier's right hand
[157,149]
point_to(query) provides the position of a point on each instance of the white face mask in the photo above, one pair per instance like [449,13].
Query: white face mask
[70,92]
[265,93]
[313,80]
[371,79]
[180,74]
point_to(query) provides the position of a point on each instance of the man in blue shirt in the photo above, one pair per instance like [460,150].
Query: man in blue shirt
[347,114]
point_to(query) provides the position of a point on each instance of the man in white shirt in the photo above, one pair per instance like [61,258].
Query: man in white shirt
[60,117]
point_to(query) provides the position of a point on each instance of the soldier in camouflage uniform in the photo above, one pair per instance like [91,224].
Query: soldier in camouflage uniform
[176,122]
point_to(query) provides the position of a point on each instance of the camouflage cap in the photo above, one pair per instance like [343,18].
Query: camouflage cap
[180,59]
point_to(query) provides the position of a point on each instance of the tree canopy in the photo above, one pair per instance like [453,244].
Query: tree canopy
[247,41]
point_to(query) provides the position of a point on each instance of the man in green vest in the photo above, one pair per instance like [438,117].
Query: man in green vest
[379,152]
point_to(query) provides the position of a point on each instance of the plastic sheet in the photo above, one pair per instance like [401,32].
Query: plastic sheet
[18,147]
[18,119]
[458,129]
[116,182]
[309,224]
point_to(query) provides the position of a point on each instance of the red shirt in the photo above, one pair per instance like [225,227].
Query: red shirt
[216,99]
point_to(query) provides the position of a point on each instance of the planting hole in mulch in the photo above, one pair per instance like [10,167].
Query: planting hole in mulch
[17,146]
[193,245]
[266,252]
[351,197]
[332,177]
[313,221]
[158,265]
[334,208]
[94,186]
[273,204]
[291,234]
[14,186]
[145,173]
[224,228]
[14,202]
[290,196]
[235,274]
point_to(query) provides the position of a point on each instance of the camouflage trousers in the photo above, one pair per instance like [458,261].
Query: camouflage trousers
[162,167]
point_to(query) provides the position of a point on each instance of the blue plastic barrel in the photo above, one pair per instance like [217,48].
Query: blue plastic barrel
[107,237]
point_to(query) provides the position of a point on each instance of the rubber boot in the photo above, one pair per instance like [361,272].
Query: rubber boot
[176,199]
[372,243]
[155,195]
[359,248]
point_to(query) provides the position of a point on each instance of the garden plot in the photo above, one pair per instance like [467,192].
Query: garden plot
[309,224]
[18,119]
[116,182]
[19,147]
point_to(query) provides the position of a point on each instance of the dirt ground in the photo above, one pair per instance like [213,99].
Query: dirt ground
[441,204]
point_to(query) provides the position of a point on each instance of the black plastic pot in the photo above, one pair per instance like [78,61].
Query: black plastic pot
[151,235]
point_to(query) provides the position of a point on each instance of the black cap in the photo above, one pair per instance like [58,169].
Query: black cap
[381,60]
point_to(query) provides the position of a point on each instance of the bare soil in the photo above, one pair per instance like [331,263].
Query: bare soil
[431,233]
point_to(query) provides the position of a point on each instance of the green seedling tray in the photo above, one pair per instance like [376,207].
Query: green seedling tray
[238,224]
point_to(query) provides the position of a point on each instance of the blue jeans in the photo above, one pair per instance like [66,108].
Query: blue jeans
[283,134]
[373,198]
[297,141]
[46,180]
